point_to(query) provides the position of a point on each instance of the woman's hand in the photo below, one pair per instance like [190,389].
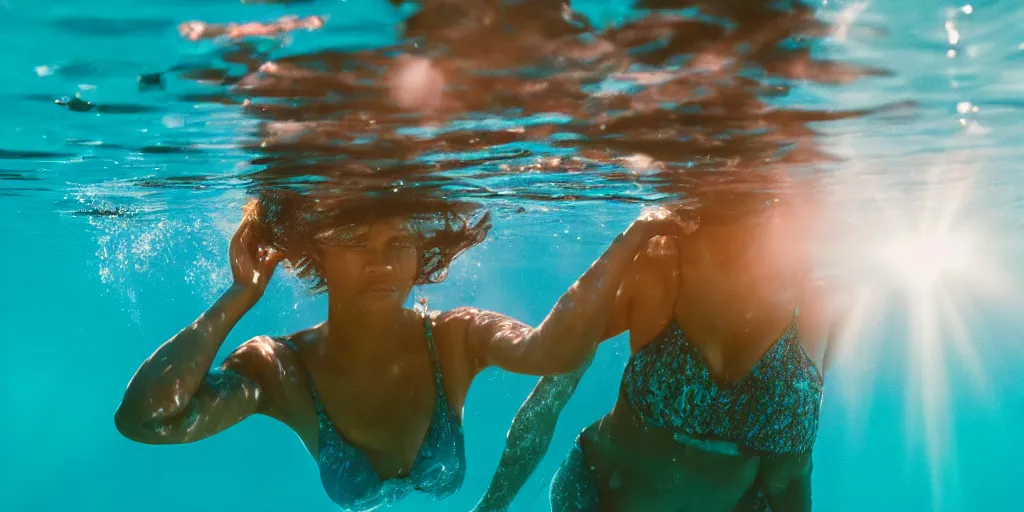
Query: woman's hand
[657,221]
[252,263]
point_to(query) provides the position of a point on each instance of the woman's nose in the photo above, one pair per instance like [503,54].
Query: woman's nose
[379,268]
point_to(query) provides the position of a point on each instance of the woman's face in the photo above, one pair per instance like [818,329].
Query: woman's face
[372,266]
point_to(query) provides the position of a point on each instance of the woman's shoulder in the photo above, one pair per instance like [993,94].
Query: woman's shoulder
[275,365]
[272,359]
[453,330]
[449,330]
[255,356]
[653,278]
[280,346]
[823,310]
[450,326]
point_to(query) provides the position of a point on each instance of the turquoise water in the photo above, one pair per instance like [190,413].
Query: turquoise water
[103,265]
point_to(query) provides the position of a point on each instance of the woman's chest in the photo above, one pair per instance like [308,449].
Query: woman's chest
[384,414]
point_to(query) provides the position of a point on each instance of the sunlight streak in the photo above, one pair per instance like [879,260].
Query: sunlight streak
[926,254]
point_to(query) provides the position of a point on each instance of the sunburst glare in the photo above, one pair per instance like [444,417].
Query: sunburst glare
[923,254]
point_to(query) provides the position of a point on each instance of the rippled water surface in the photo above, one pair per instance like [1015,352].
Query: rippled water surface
[127,151]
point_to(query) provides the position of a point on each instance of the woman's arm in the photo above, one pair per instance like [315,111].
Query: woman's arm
[174,397]
[643,306]
[785,482]
[588,313]
[796,496]
[529,437]
[842,310]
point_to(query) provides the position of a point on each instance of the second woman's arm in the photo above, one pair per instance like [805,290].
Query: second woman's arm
[589,312]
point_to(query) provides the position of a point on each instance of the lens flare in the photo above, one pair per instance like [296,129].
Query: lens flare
[923,260]
[927,255]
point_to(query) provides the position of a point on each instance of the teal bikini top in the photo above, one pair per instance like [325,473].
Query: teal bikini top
[351,480]
[771,410]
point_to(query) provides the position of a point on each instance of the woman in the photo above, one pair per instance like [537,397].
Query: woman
[718,406]
[376,391]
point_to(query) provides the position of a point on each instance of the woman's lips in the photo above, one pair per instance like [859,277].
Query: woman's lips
[382,289]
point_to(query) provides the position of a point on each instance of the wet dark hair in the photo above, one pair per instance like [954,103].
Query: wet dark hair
[297,224]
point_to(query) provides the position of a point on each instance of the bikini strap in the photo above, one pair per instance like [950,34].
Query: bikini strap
[309,380]
[432,348]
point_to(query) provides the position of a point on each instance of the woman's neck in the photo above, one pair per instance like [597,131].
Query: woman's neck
[356,334]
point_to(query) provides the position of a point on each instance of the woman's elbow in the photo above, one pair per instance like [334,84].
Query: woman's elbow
[134,428]
[128,424]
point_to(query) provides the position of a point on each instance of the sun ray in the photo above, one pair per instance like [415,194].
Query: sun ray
[960,338]
[924,262]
